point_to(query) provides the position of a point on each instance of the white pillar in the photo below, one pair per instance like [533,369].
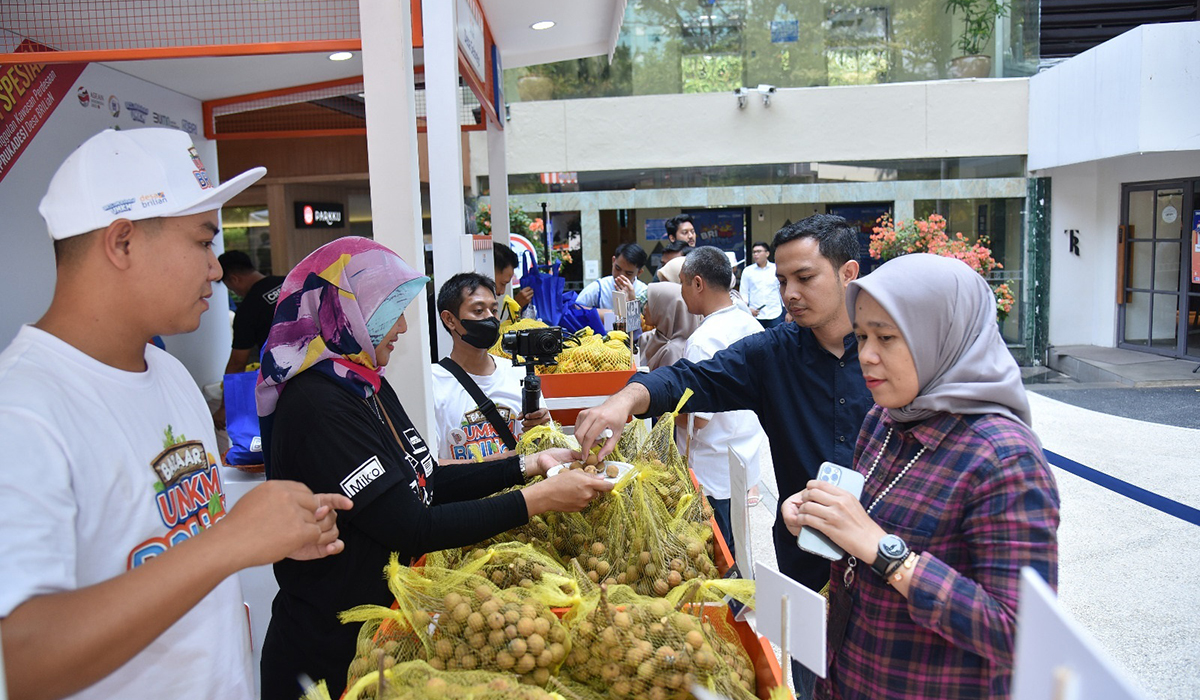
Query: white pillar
[498,183]
[444,138]
[387,60]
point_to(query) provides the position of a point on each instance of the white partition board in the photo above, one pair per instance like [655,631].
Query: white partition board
[805,617]
[1057,658]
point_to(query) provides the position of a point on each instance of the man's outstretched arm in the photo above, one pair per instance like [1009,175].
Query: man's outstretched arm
[98,628]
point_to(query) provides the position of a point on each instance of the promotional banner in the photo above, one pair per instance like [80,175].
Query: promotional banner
[29,94]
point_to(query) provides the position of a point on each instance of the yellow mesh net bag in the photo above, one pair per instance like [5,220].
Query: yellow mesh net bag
[544,437]
[417,680]
[514,564]
[639,647]
[458,620]
[651,551]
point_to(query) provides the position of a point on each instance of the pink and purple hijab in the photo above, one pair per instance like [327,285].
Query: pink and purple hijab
[334,308]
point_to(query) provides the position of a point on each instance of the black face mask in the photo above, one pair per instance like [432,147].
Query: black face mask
[480,334]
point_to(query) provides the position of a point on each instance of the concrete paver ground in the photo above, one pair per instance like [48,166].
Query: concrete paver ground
[1127,572]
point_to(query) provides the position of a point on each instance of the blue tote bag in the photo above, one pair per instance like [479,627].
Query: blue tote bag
[241,420]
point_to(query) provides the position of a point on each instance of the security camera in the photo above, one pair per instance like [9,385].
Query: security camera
[741,96]
[766,91]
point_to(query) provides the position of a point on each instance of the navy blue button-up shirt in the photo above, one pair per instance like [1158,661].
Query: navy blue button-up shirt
[810,403]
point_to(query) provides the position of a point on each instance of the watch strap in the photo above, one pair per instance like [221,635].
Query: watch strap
[884,561]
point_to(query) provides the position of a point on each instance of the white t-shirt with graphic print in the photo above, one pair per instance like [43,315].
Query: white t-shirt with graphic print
[101,470]
[457,418]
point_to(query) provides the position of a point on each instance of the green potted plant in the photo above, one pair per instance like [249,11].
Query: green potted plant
[979,22]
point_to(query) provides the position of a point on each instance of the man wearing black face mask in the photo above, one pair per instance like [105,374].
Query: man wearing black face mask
[465,383]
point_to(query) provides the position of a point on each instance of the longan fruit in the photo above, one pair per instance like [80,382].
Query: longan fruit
[536,644]
[505,660]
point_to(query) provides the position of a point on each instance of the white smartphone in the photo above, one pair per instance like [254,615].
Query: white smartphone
[813,541]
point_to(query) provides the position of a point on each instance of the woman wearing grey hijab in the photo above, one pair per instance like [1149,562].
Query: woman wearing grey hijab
[672,322]
[957,497]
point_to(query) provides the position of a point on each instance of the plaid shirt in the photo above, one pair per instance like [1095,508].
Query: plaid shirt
[979,504]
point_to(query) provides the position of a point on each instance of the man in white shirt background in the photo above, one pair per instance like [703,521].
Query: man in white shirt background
[760,287]
[467,307]
[705,287]
[627,264]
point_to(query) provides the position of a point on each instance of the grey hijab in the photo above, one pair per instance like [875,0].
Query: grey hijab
[947,315]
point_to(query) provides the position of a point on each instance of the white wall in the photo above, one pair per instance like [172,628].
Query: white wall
[878,122]
[1137,93]
[1087,197]
[28,284]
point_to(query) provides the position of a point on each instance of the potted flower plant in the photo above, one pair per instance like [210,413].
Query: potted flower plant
[891,239]
[979,23]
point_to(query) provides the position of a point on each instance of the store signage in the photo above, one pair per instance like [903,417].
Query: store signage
[470,36]
[29,93]
[320,215]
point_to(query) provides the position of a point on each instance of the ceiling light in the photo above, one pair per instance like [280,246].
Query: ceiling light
[544,24]
[341,56]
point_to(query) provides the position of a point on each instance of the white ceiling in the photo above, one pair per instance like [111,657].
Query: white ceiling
[582,28]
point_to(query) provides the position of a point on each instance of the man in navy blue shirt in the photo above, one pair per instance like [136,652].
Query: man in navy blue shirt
[802,379]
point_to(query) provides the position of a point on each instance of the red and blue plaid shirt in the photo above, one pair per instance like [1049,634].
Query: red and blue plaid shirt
[979,504]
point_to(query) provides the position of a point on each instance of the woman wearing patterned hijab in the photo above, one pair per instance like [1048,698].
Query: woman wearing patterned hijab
[330,417]
[958,496]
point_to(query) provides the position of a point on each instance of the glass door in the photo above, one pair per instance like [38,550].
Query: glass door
[1157,244]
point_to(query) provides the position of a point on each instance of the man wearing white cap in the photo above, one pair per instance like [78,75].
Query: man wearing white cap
[116,546]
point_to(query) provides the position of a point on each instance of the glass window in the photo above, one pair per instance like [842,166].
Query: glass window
[770,174]
[247,229]
[1001,222]
[677,46]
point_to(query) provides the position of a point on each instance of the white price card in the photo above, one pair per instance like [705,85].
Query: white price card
[1057,658]
[739,516]
[804,621]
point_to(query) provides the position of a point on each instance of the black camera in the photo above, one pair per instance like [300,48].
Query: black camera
[534,346]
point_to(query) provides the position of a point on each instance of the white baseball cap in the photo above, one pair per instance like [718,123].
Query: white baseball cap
[135,174]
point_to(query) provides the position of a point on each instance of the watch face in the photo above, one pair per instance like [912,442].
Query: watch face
[891,546]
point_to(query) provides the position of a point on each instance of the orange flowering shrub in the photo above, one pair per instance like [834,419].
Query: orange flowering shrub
[891,239]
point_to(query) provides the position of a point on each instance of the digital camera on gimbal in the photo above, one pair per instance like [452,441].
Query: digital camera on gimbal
[533,346]
[529,347]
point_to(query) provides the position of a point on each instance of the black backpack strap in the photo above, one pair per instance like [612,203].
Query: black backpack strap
[486,405]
